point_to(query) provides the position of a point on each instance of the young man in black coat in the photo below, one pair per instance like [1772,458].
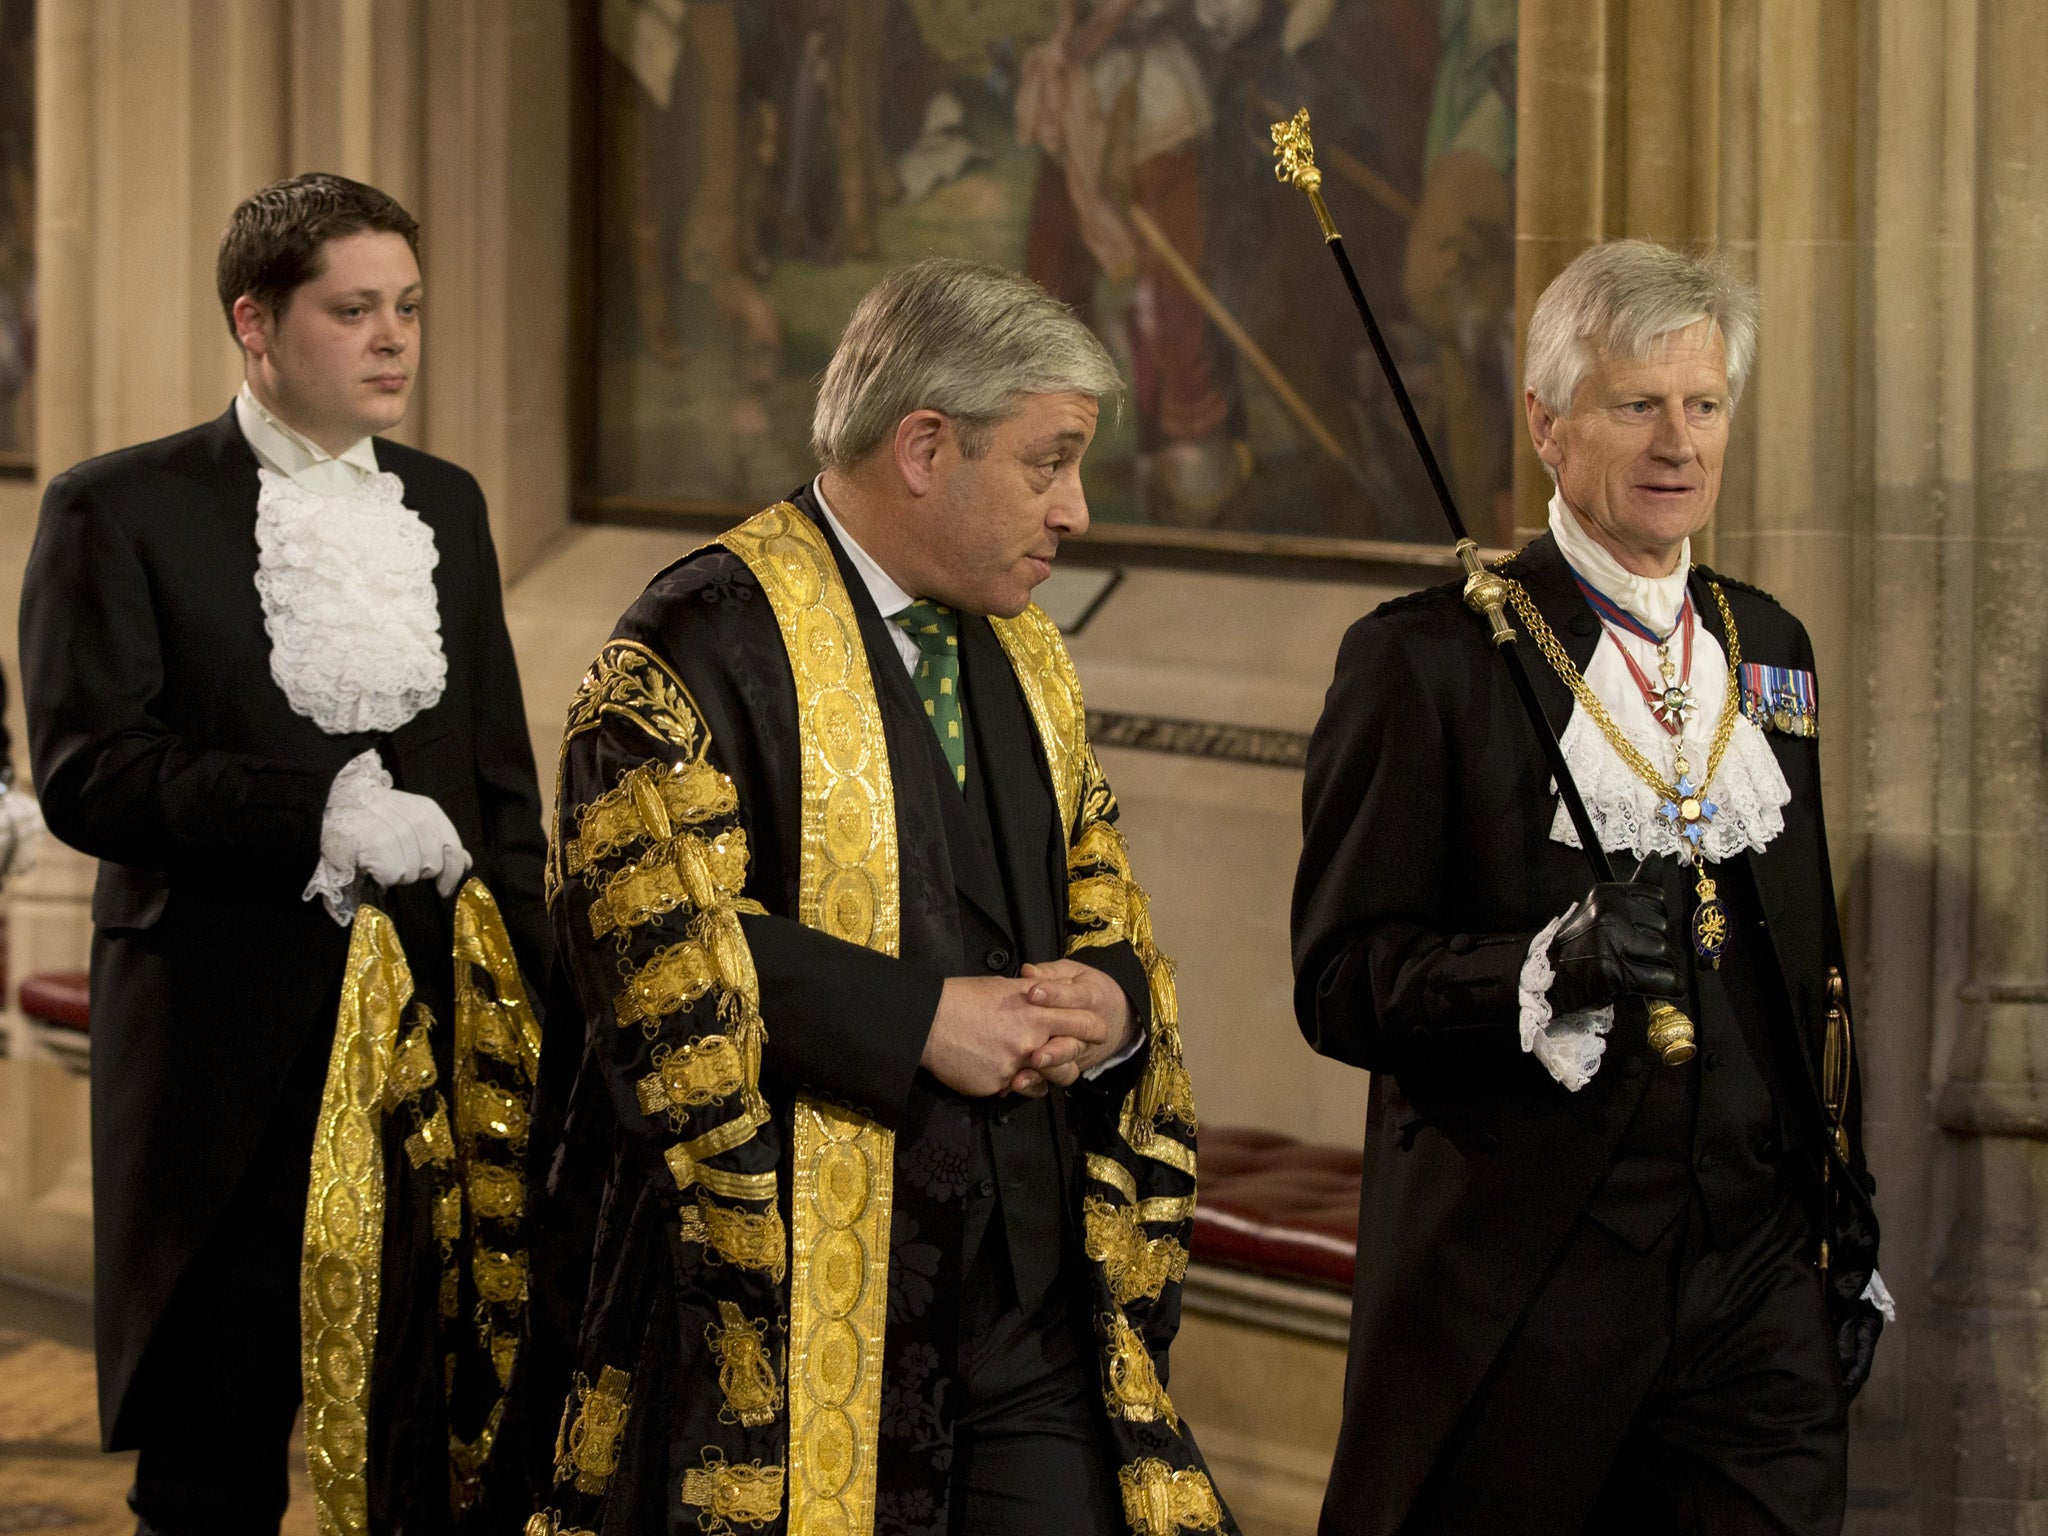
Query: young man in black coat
[267,674]
[1596,1291]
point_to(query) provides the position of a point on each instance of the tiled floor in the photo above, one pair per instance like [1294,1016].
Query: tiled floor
[52,1474]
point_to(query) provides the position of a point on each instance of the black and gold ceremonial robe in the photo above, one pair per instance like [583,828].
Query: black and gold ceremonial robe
[745,1310]
[413,1290]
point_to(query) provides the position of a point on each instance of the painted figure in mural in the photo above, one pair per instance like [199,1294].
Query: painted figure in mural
[869,1202]
[1596,1290]
[268,678]
[1459,271]
[1123,109]
[685,55]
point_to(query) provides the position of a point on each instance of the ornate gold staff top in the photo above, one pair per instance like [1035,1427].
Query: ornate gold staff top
[1486,593]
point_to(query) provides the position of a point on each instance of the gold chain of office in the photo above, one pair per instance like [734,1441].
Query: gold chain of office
[1561,663]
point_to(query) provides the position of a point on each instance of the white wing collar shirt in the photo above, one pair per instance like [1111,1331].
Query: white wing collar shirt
[891,599]
[1749,790]
[345,571]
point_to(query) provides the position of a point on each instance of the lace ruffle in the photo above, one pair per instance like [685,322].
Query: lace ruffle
[1750,791]
[1569,1047]
[1879,1295]
[347,584]
[335,881]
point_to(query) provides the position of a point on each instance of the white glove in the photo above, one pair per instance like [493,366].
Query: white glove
[394,837]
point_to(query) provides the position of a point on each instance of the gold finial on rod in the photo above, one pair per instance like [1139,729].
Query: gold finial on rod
[1295,154]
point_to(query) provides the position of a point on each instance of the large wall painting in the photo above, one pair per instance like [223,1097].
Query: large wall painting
[761,165]
[17,233]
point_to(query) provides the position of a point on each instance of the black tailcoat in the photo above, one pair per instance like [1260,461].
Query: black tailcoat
[1427,869]
[983,886]
[162,747]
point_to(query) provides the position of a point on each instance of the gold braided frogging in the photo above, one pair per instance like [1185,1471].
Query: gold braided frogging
[1561,663]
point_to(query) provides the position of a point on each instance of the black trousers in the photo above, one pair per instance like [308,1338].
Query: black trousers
[1689,1389]
[221,1378]
[1031,1450]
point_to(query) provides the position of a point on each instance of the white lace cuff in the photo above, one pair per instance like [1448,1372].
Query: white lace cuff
[1569,1047]
[336,881]
[1880,1297]
[21,828]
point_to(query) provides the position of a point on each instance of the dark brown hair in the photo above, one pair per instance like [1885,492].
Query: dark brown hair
[277,239]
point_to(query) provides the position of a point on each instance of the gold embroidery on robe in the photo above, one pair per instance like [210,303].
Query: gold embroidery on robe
[549,1523]
[746,1492]
[1136,1265]
[628,680]
[687,871]
[746,1375]
[647,805]
[714,955]
[1158,1501]
[752,1240]
[587,1445]
[433,1142]
[703,1072]
[1131,1385]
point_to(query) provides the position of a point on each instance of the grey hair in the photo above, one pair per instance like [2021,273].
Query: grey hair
[962,338]
[1619,298]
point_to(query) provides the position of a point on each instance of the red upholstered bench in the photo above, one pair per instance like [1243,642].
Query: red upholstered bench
[58,1007]
[1276,1231]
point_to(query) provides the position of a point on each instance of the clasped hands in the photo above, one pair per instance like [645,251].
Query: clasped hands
[1022,1034]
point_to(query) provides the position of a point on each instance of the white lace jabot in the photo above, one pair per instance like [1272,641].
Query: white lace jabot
[1750,790]
[347,582]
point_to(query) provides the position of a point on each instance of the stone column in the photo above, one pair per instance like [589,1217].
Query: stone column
[1991,1269]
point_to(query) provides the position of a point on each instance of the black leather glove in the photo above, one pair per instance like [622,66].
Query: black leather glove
[1613,945]
[1856,1346]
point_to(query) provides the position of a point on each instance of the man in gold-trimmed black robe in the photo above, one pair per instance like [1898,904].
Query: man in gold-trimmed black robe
[788,1274]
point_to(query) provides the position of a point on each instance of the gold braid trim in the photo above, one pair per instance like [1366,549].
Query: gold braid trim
[433,1143]
[752,1240]
[841,1164]
[1158,1501]
[646,806]
[687,870]
[1136,1265]
[703,1072]
[714,955]
[724,1491]
[1160,1208]
[587,1446]
[746,1375]
[1131,1385]
[548,1522]
[1052,690]
[341,1271]
[686,1169]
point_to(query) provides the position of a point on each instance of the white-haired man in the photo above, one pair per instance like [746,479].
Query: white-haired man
[1595,1291]
[870,1209]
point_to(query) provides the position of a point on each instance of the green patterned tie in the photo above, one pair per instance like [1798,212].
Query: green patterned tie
[936,629]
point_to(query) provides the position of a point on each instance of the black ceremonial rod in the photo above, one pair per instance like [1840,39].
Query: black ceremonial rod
[1486,593]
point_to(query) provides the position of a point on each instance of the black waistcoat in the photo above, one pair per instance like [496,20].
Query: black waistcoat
[1711,1127]
[1020,1168]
